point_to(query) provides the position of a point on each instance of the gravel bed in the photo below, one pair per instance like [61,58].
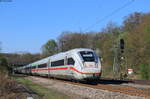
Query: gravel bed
[81,92]
[145,87]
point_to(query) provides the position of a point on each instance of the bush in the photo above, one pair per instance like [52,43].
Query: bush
[3,64]
[144,69]
[3,61]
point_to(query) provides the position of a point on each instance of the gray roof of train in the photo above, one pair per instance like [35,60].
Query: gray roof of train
[58,55]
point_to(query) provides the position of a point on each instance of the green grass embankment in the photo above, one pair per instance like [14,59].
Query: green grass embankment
[44,93]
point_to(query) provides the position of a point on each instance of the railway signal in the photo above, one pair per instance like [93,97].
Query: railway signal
[122,45]
[120,64]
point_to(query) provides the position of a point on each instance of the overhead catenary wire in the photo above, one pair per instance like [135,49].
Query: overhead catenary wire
[109,15]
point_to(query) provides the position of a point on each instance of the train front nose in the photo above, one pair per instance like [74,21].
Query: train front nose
[91,71]
[91,67]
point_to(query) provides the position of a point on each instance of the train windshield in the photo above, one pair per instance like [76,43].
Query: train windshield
[87,56]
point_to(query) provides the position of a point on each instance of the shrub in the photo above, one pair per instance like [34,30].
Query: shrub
[144,69]
[3,64]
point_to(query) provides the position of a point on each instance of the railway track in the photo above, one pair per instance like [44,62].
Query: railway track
[116,87]
[110,85]
[124,90]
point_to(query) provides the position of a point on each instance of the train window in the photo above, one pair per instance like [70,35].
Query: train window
[33,67]
[87,56]
[57,63]
[70,61]
[42,65]
[27,68]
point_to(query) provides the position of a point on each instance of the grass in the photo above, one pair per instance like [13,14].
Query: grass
[44,93]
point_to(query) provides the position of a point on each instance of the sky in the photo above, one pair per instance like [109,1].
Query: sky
[25,25]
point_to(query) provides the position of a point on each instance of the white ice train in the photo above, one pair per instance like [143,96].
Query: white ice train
[76,64]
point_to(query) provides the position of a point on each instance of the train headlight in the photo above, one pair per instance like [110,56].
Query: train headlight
[90,65]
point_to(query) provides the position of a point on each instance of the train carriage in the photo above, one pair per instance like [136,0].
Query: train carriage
[77,64]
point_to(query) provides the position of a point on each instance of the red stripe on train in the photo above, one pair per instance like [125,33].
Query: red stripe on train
[82,72]
[65,68]
[61,68]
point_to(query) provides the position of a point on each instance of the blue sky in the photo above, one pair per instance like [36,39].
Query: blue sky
[25,25]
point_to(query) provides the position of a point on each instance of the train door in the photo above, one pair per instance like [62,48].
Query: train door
[48,67]
[30,70]
[69,65]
